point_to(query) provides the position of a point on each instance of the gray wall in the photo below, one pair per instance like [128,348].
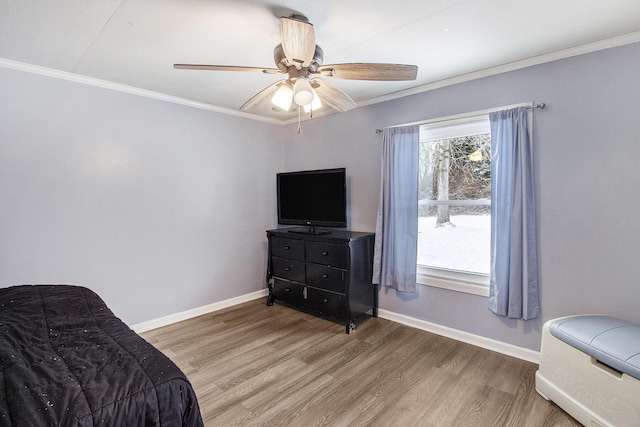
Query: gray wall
[158,207]
[161,208]
[586,148]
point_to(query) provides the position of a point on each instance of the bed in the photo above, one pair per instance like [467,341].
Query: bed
[67,360]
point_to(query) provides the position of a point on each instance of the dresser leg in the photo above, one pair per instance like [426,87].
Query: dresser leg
[270,298]
[351,327]
[375,300]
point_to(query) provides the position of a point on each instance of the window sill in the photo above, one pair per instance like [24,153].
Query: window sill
[476,284]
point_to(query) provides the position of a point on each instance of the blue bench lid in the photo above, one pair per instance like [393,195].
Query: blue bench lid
[612,341]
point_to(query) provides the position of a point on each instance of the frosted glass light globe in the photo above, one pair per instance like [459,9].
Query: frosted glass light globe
[302,92]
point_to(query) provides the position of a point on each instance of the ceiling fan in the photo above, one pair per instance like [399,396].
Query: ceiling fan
[300,58]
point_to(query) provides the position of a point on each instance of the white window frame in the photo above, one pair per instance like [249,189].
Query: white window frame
[460,281]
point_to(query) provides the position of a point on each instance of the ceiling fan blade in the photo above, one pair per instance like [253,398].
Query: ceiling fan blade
[298,41]
[332,96]
[224,68]
[261,96]
[369,71]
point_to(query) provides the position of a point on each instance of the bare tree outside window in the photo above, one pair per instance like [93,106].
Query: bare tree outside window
[454,169]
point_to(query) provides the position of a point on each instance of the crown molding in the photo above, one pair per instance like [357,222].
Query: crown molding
[487,72]
[91,81]
[511,66]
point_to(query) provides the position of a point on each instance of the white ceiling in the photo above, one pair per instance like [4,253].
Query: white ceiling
[136,42]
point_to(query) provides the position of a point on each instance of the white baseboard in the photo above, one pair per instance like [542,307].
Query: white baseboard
[195,312]
[477,340]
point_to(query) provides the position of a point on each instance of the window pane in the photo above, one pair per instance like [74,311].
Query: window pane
[462,245]
[455,199]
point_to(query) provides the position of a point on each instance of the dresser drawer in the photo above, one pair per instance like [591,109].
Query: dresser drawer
[289,292]
[325,277]
[288,269]
[328,254]
[287,248]
[327,303]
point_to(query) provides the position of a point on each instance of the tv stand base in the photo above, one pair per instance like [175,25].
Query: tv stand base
[311,230]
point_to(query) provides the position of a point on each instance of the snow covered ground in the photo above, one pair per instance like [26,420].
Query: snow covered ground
[462,246]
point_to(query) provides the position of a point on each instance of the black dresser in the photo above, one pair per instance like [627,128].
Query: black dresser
[328,274]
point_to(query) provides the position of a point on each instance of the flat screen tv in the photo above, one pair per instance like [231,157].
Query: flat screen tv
[314,198]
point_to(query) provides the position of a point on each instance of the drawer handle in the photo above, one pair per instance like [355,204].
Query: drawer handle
[325,276]
[325,253]
[325,300]
[287,269]
[287,290]
[286,248]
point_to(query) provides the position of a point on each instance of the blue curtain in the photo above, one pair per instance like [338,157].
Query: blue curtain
[513,288]
[396,244]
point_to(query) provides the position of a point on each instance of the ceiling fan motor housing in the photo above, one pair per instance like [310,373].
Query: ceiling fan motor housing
[283,64]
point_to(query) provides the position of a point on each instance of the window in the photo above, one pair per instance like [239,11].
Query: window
[454,204]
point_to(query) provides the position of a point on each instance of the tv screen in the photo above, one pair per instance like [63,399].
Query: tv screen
[313,198]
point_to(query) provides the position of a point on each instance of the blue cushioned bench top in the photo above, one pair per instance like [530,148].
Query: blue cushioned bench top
[612,341]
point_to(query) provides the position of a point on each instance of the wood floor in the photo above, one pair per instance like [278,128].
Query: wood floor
[256,365]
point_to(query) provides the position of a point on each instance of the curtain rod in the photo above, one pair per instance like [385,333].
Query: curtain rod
[540,105]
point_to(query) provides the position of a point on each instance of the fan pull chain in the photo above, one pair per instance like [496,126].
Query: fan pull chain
[299,126]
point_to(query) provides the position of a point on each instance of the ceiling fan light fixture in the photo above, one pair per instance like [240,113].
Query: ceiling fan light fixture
[315,105]
[283,97]
[302,92]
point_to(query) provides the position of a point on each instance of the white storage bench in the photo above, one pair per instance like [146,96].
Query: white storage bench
[590,367]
